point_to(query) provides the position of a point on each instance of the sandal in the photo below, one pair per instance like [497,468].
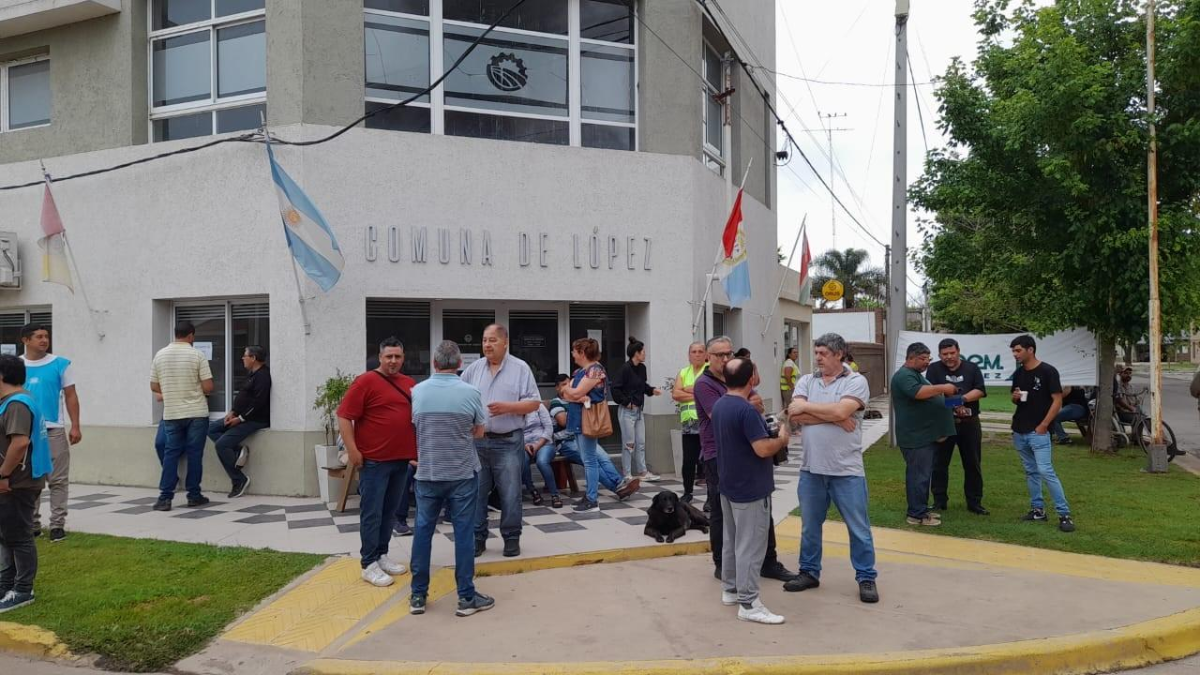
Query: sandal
[556,502]
[537,498]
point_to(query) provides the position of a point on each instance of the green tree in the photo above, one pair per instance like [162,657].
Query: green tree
[1040,198]
[851,267]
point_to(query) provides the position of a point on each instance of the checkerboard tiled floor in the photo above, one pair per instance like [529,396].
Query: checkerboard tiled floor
[307,525]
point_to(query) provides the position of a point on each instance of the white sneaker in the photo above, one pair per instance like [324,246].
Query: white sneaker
[376,577]
[391,567]
[758,613]
[651,477]
[729,598]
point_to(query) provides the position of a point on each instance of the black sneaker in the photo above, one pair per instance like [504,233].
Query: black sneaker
[867,591]
[416,604]
[775,570]
[57,534]
[687,498]
[402,530]
[194,502]
[802,582]
[37,531]
[162,505]
[707,507]
[940,506]
[585,505]
[1066,524]
[979,510]
[480,547]
[479,603]
[1034,514]
[239,489]
[512,548]
[717,572]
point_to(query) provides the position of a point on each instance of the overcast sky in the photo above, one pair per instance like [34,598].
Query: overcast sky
[853,41]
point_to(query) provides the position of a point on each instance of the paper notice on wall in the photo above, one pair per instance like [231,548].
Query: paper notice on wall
[598,336]
[206,348]
[468,359]
[8,349]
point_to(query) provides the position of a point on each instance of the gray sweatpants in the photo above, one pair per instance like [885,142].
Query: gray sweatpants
[57,482]
[744,546]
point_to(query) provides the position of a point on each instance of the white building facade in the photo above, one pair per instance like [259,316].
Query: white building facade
[579,191]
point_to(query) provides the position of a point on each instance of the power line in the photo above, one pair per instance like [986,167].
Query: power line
[838,83]
[917,98]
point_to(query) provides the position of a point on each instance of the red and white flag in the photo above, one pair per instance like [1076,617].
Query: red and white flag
[805,279]
[55,266]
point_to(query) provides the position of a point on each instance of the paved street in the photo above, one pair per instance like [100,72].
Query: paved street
[1178,405]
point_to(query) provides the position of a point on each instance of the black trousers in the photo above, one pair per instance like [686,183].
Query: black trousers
[18,554]
[716,520]
[691,460]
[969,441]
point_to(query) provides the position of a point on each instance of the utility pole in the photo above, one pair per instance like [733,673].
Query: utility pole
[1158,452]
[898,255]
[827,122]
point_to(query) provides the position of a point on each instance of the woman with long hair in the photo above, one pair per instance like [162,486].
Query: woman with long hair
[588,387]
[629,391]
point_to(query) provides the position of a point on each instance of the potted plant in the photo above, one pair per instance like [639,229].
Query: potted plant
[329,396]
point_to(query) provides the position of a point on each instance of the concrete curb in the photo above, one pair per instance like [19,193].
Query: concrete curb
[31,641]
[1142,644]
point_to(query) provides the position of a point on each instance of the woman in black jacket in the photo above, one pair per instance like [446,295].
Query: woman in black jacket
[629,391]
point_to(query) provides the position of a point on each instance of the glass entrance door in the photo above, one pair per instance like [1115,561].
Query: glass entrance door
[533,338]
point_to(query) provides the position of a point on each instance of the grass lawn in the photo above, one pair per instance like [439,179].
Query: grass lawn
[998,400]
[143,604]
[1120,511]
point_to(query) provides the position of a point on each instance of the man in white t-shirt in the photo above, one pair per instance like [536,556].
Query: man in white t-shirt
[49,378]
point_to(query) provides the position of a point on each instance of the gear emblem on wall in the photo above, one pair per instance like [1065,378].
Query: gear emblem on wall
[506,72]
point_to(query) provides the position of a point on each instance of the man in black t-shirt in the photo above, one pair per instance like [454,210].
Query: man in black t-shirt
[1037,392]
[968,379]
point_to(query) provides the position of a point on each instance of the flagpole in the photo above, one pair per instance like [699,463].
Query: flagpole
[717,262]
[783,277]
[295,273]
[87,303]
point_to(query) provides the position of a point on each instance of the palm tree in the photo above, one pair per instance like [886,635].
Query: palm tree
[861,282]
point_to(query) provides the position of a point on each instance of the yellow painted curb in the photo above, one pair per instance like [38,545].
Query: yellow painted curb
[1164,639]
[441,582]
[31,641]
[318,611]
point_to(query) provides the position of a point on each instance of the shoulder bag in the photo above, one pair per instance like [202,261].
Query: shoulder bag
[596,420]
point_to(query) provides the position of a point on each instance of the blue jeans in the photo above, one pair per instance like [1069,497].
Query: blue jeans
[1071,412]
[633,440]
[458,497]
[160,441]
[527,471]
[406,496]
[546,455]
[849,494]
[598,469]
[500,462]
[185,438]
[1035,450]
[918,472]
[379,486]
[227,440]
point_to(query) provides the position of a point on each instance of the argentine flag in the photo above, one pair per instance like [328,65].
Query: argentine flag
[308,235]
[734,271]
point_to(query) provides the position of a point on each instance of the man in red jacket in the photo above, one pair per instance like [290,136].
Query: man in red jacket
[375,419]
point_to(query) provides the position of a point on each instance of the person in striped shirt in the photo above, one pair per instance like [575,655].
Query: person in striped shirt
[449,417]
[182,376]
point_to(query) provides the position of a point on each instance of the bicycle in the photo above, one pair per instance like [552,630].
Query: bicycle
[1140,427]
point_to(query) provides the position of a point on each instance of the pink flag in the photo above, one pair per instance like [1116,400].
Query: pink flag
[55,266]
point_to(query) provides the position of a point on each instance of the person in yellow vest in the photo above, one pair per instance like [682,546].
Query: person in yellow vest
[788,376]
[682,394]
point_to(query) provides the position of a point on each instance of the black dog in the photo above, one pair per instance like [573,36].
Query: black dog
[671,518]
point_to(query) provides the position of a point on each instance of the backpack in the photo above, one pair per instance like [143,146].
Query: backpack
[39,443]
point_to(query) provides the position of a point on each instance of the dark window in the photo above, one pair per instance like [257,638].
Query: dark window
[408,321]
[541,16]
[171,13]
[407,118]
[251,326]
[184,126]
[609,20]
[420,7]
[231,7]
[609,321]
[533,338]
[507,128]
[210,328]
[240,119]
[465,327]
[397,57]
[10,330]
[608,138]
[508,73]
